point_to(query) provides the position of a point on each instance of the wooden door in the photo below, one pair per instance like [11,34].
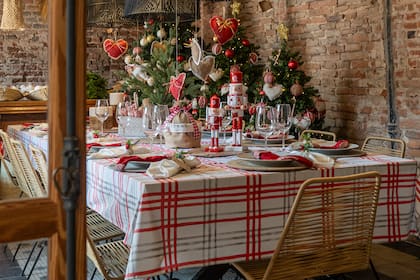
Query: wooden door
[27,219]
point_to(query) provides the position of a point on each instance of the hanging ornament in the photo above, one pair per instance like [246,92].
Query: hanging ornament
[180,58]
[137,50]
[202,101]
[296,89]
[138,59]
[115,49]
[176,85]
[203,68]
[196,51]
[158,47]
[173,41]
[224,29]
[150,38]
[216,49]
[293,64]
[216,74]
[282,32]
[245,42]
[273,91]
[253,57]
[229,53]
[204,88]
[143,42]
[269,77]
[150,82]
[236,8]
[127,59]
[161,34]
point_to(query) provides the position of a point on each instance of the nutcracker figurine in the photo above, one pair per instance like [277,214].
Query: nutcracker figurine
[214,120]
[237,100]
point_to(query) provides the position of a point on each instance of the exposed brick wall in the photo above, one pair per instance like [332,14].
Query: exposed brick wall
[341,42]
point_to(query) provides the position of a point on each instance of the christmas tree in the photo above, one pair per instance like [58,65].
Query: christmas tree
[237,50]
[156,57]
[284,82]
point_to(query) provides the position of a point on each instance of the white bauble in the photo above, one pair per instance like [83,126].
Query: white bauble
[143,42]
[161,34]
[150,81]
[127,59]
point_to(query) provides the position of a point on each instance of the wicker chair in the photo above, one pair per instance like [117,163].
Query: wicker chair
[110,258]
[319,134]
[9,160]
[385,146]
[329,230]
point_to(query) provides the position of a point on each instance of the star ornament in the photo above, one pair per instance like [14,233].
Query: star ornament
[176,85]
[236,8]
[283,31]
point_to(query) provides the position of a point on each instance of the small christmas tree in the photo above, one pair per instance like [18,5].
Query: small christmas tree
[156,57]
[284,82]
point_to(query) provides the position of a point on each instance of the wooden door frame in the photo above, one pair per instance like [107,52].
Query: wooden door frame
[28,219]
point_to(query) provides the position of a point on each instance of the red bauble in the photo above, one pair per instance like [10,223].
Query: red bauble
[253,57]
[293,64]
[262,92]
[180,58]
[229,53]
[245,42]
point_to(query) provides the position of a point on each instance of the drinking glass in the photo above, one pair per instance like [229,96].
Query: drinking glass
[283,121]
[265,121]
[148,123]
[226,119]
[121,115]
[161,112]
[102,112]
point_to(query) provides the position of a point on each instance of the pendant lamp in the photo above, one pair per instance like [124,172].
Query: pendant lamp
[163,9]
[12,17]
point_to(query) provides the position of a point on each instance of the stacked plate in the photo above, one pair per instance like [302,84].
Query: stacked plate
[247,161]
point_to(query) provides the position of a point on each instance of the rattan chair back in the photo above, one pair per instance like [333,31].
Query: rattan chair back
[31,177]
[384,145]
[16,171]
[40,160]
[329,230]
[110,258]
[319,134]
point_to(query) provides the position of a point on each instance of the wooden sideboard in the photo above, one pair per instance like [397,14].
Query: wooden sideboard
[15,112]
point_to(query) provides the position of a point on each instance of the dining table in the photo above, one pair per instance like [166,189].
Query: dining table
[220,213]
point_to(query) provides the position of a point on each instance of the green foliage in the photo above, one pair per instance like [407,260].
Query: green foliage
[161,64]
[96,86]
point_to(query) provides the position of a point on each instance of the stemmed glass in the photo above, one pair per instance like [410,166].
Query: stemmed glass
[283,121]
[121,115]
[102,112]
[265,121]
[226,119]
[161,112]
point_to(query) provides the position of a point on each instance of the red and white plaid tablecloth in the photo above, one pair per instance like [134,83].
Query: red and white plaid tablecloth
[218,215]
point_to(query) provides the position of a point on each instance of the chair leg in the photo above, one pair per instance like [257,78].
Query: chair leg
[15,254]
[93,274]
[372,267]
[29,258]
[36,261]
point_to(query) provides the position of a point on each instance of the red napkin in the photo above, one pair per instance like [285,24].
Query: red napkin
[266,155]
[338,145]
[122,162]
[90,145]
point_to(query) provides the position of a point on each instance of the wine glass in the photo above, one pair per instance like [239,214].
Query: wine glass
[226,119]
[121,115]
[265,121]
[283,121]
[102,111]
[160,114]
[148,123]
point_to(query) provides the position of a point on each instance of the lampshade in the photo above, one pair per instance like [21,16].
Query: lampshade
[12,17]
[165,9]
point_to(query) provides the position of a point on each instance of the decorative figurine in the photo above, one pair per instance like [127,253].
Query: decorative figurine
[214,120]
[236,100]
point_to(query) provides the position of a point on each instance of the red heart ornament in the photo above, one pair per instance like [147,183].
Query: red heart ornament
[224,29]
[115,49]
[176,84]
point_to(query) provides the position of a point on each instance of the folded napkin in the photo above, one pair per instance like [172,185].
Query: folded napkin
[123,161]
[90,145]
[330,144]
[267,155]
[169,167]
[114,152]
